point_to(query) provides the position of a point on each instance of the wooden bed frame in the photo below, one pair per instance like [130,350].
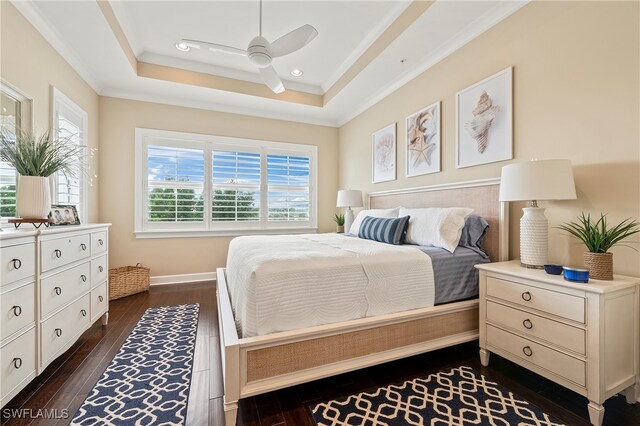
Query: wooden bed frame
[256,365]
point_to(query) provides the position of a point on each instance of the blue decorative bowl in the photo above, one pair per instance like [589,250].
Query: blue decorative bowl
[553,269]
[576,275]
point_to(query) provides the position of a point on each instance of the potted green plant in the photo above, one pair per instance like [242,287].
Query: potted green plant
[35,158]
[599,237]
[338,218]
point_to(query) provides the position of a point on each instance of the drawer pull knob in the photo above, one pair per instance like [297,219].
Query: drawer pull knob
[527,324]
[100,298]
[526,296]
[527,351]
[17,263]
[83,246]
[83,312]
[58,290]
[58,253]
[101,242]
[17,363]
[17,310]
[100,269]
[58,332]
[83,277]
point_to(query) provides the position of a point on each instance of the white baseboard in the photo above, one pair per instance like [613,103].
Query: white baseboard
[184,278]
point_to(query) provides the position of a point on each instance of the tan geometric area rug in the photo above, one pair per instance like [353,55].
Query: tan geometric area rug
[457,396]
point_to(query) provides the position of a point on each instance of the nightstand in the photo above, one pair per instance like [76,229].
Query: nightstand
[582,336]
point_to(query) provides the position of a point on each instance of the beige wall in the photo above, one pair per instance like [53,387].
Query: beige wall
[576,96]
[31,65]
[118,120]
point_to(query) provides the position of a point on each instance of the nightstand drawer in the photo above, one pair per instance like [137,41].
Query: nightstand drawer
[557,333]
[560,304]
[560,364]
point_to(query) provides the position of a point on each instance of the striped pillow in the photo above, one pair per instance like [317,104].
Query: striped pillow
[390,231]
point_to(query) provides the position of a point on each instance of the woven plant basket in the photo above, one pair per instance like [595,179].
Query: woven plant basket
[128,280]
[600,265]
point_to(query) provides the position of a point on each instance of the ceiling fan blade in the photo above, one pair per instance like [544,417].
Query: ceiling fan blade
[271,79]
[214,47]
[293,41]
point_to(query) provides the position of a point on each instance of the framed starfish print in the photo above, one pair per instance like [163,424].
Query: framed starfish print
[423,141]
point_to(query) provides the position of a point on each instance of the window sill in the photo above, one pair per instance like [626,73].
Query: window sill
[221,233]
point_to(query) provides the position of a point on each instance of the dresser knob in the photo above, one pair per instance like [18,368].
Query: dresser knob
[17,310]
[17,263]
[100,298]
[83,312]
[83,278]
[83,246]
[57,253]
[100,269]
[58,332]
[526,296]
[100,242]
[527,351]
[527,324]
[17,362]
[58,290]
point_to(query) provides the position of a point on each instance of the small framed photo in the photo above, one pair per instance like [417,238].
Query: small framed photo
[484,114]
[384,154]
[423,141]
[63,214]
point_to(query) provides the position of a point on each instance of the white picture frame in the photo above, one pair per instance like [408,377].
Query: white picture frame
[484,121]
[383,147]
[423,141]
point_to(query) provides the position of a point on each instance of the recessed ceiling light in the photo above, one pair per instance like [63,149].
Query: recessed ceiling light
[182,46]
[296,72]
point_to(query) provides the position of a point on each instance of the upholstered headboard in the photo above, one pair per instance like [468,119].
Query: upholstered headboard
[481,195]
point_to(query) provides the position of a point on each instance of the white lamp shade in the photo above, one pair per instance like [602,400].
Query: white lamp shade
[537,180]
[349,198]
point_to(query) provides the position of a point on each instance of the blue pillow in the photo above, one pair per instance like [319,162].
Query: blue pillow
[473,233]
[390,231]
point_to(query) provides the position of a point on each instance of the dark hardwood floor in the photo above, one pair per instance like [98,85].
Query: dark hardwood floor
[66,382]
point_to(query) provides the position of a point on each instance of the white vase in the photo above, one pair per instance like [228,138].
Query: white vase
[33,198]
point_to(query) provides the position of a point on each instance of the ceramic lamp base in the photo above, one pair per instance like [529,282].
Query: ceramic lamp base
[534,237]
[348,219]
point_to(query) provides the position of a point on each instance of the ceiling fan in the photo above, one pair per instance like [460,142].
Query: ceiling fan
[261,53]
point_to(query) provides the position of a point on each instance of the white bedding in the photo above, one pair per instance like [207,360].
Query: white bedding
[279,283]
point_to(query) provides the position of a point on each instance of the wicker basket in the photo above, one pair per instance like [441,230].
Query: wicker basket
[600,265]
[128,280]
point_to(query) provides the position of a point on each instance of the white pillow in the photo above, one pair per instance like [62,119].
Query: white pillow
[439,227]
[385,213]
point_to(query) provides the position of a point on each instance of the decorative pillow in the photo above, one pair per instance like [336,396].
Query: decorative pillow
[390,231]
[439,227]
[386,213]
[473,233]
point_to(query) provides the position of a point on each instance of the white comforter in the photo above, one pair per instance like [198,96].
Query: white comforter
[279,283]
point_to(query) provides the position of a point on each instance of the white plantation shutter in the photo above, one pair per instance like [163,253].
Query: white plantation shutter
[175,184]
[236,186]
[7,190]
[10,120]
[289,186]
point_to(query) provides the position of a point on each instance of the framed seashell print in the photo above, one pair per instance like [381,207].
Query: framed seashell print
[384,154]
[484,121]
[423,141]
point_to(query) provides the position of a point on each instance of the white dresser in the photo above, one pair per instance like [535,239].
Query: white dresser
[54,286]
[582,336]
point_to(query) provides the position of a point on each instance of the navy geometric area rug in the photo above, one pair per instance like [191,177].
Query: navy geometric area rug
[147,383]
[457,396]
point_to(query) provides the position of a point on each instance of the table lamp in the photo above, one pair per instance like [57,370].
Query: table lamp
[349,198]
[532,181]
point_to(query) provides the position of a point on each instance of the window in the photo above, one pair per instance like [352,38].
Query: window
[191,185]
[70,125]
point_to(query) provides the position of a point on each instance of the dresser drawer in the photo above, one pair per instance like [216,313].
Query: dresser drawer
[17,361]
[562,365]
[557,333]
[58,330]
[17,309]
[99,271]
[99,301]
[560,304]
[98,242]
[62,251]
[63,287]
[18,262]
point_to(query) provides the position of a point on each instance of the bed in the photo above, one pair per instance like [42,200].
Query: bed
[262,363]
